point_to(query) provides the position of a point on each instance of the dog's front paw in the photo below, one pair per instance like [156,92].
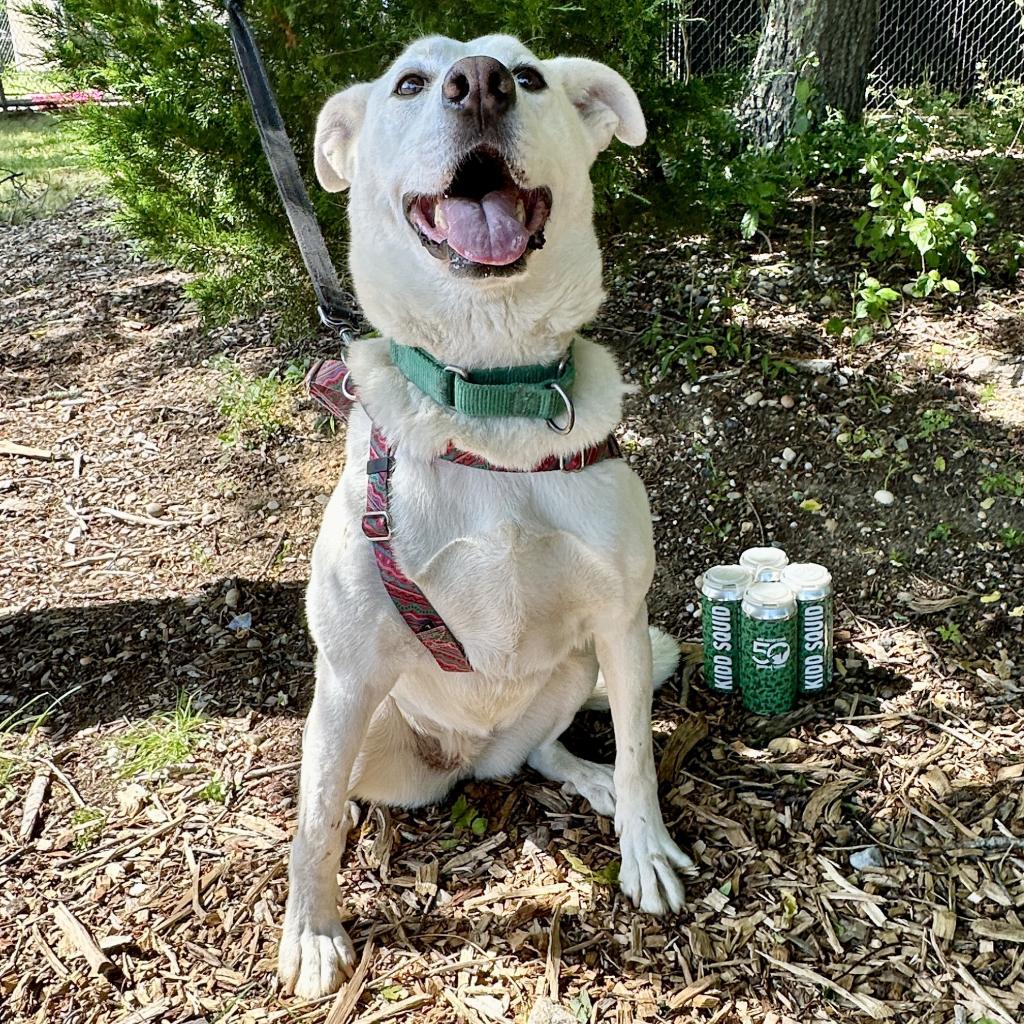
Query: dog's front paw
[650,860]
[313,961]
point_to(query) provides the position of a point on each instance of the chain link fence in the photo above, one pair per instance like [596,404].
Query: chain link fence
[952,45]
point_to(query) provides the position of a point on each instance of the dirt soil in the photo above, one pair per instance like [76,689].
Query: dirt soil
[859,858]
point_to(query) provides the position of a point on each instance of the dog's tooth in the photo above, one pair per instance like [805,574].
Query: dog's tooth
[439,218]
[521,211]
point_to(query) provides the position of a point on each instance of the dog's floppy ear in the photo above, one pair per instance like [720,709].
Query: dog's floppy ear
[605,101]
[337,130]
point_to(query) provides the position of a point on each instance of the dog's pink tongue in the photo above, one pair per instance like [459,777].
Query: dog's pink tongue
[486,231]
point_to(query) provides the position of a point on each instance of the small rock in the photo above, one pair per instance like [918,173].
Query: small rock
[322,499]
[884,497]
[155,509]
[271,520]
[788,455]
[753,398]
[232,597]
[273,505]
[787,401]
[901,444]
[979,367]
[869,857]
[917,478]
[241,622]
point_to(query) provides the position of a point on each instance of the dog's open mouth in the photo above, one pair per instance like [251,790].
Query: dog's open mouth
[483,221]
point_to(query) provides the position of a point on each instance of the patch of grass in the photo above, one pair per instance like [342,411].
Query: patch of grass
[164,740]
[25,722]
[254,408]
[49,163]
[87,824]
[939,533]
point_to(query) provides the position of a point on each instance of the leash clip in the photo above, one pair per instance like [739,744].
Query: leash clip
[340,324]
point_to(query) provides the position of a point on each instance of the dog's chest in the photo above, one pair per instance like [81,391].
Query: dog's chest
[516,564]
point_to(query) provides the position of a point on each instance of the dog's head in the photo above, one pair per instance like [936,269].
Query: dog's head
[468,165]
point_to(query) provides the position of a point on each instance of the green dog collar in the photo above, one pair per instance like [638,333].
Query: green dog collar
[540,391]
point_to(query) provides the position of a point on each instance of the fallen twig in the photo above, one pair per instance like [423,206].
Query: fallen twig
[137,520]
[79,937]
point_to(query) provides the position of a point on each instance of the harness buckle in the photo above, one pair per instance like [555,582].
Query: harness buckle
[574,463]
[385,522]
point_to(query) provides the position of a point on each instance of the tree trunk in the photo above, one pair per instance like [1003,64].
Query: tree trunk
[813,54]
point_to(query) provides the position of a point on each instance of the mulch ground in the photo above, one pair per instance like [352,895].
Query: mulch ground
[860,858]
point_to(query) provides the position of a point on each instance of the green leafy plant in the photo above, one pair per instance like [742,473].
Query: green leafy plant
[950,633]
[608,875]
[1003,484]
[939,533]
[254,408]
[214,792]
[934,421]
[464,818]
[1011,538]
[902,225]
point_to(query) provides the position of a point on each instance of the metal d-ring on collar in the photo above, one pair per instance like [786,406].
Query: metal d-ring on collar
[570,409]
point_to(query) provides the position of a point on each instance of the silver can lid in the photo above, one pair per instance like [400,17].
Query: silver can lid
[808,580]
[764,558]
[769,601]
[767,575]
[725,582]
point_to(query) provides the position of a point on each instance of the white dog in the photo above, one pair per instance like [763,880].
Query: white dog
[473,240]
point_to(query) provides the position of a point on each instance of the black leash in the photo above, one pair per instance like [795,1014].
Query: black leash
[335,306]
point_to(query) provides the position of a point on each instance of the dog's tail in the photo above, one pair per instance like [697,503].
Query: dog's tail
[665,652]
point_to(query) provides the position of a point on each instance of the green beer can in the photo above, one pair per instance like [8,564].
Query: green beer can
[755,559]
[768,648]
[812,586]
[721,593]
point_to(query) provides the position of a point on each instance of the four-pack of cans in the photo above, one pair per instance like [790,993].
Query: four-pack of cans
[767,629]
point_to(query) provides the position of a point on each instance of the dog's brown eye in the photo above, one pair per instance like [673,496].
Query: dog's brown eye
[530,79]
[410,85]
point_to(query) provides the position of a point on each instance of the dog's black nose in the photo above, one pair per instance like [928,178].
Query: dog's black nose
[481,88]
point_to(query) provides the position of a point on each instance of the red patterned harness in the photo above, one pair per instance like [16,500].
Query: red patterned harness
[329,384]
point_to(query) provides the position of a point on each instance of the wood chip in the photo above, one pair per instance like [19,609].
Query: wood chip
[33,806]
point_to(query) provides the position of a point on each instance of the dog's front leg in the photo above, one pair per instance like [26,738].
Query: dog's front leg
[649,856]
[315,951]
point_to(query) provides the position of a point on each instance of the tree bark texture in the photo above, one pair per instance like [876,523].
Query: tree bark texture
[840,33]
